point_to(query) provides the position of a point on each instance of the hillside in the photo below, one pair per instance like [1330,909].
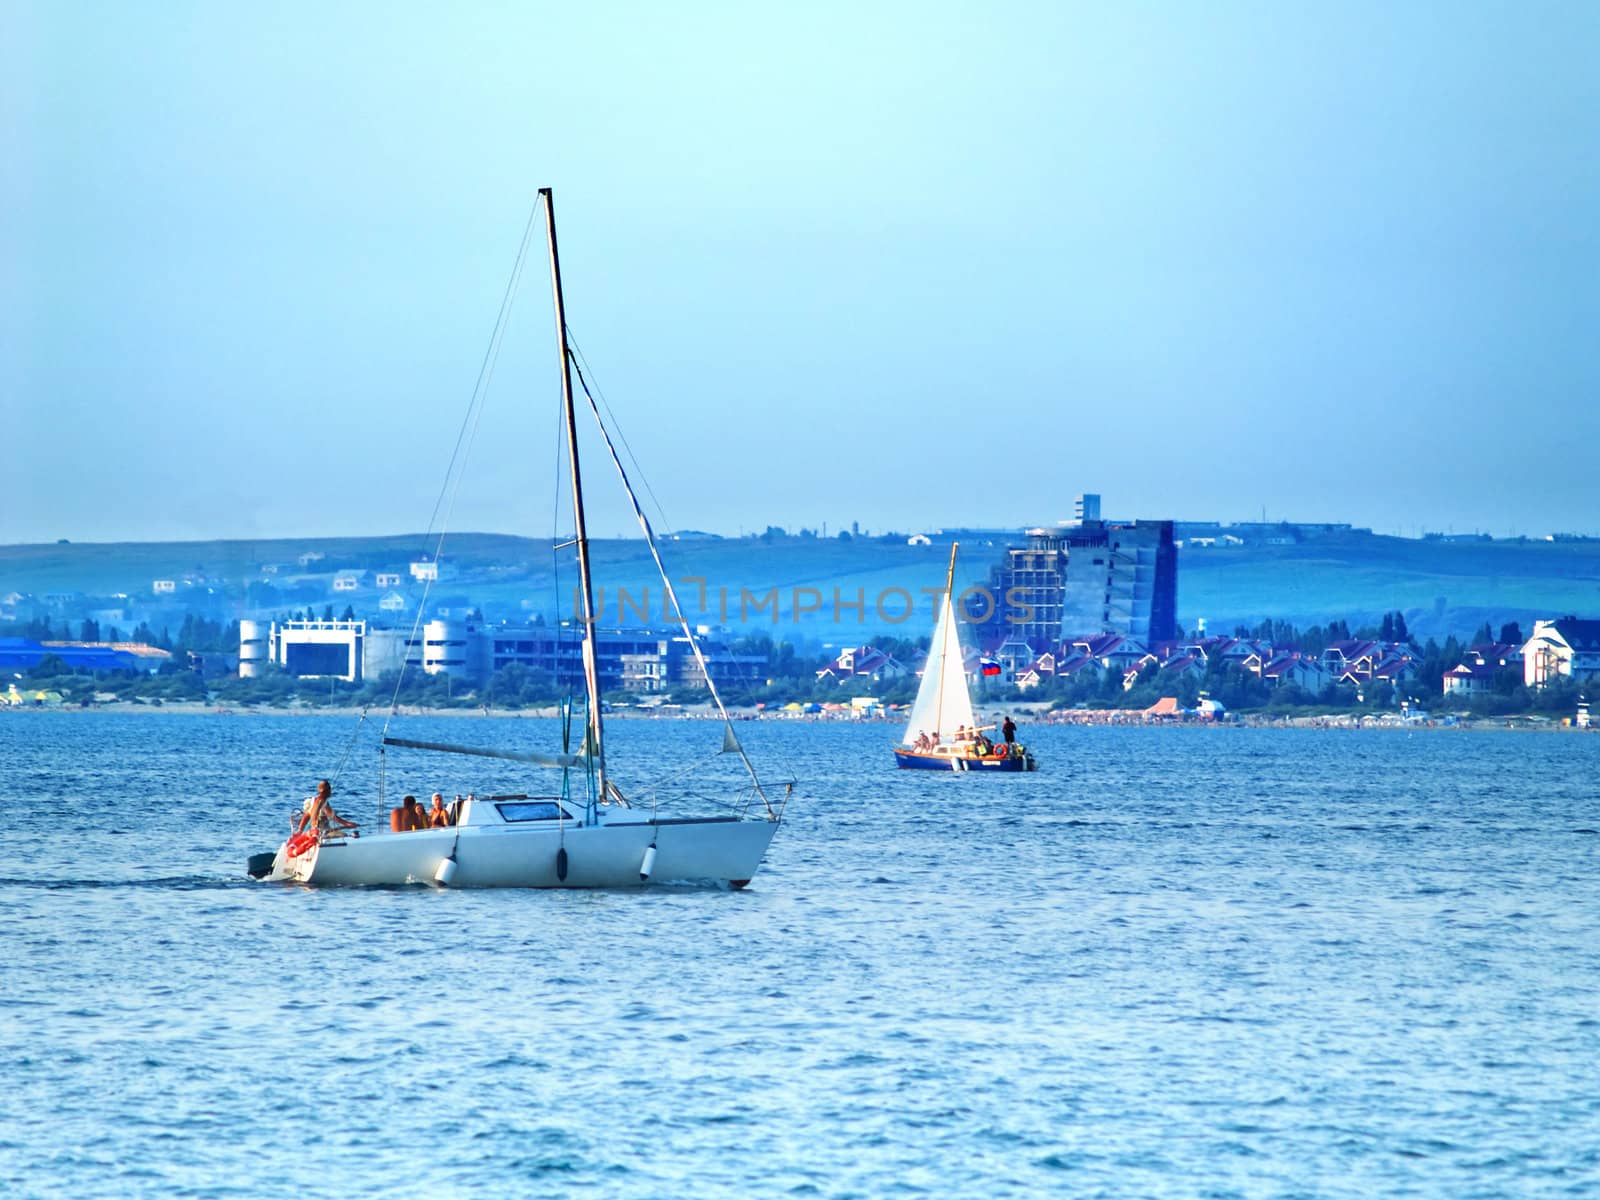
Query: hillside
[1441,586]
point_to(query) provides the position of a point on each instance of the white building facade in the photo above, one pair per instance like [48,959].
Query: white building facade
[1563,647]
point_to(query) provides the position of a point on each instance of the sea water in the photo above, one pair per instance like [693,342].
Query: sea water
[1174,962]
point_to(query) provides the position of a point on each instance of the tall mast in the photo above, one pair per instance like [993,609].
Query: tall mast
[949,588]
[591,674]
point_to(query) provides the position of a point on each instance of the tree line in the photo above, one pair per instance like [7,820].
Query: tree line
[790,675]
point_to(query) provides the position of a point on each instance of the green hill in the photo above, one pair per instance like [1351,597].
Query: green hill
[1441,586]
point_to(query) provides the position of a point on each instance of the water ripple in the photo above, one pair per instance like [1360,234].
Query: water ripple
[1293,964]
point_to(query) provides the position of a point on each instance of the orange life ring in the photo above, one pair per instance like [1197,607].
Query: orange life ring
[1000,750]
[299,843]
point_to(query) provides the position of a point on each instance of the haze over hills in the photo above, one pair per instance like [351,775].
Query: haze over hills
[1442,586]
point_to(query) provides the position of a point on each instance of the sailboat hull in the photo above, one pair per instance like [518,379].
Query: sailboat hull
[914,760]
[609,855]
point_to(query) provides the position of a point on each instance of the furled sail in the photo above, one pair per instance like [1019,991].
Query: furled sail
[943,702]
[527,756]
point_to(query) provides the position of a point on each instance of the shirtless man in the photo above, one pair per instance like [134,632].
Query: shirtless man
[397,815]
[413,817]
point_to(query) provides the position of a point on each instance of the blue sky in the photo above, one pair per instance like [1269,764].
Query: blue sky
[904,264]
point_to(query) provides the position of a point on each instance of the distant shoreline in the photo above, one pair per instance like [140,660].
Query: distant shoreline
[1131,718]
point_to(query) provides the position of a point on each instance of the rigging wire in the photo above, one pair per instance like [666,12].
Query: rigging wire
[464,439]
[672,594]
[486,367]
[586,376]
[584,369]
[450,492]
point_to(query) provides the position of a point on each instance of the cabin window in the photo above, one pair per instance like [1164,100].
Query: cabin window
[531,810]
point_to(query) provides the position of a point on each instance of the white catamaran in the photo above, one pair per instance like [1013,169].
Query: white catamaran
[942,734]
[582,832]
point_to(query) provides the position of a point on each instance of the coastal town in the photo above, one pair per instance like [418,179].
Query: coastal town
[1076,622]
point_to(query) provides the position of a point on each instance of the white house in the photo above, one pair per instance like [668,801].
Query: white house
[392,602]
[387,579]
[164,587]
[1565,646]
[1469,677]
[424,569]
[1477,669]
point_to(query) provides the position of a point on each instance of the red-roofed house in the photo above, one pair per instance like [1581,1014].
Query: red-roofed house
[1469,678]
[1299,669]
[1494,654]
[1248,655]
[862,662]
[1479,665]
[1014,655]
[1396,669]
[1359,660]
[1036,672]
[1108,649]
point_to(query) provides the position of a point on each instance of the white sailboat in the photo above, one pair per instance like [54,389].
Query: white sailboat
[580,831]
[942,734]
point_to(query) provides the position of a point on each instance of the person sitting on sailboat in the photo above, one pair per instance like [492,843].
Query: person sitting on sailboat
[438,818]
[414,818]
[318,812]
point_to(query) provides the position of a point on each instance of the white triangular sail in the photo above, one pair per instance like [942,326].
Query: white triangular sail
[943,702]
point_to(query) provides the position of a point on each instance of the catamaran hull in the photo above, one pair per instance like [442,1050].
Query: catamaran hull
[911,760]
[720,850]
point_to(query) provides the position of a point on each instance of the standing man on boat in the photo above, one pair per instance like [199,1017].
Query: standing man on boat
[1009,730]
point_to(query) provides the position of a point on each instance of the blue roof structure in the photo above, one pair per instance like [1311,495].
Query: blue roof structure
[24,654]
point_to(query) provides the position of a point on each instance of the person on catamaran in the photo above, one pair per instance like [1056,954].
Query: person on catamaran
[1009,730]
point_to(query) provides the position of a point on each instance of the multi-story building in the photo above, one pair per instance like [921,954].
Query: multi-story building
[672,664]
[1092,576]
[308,649]
[1026,594]
[472,650]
